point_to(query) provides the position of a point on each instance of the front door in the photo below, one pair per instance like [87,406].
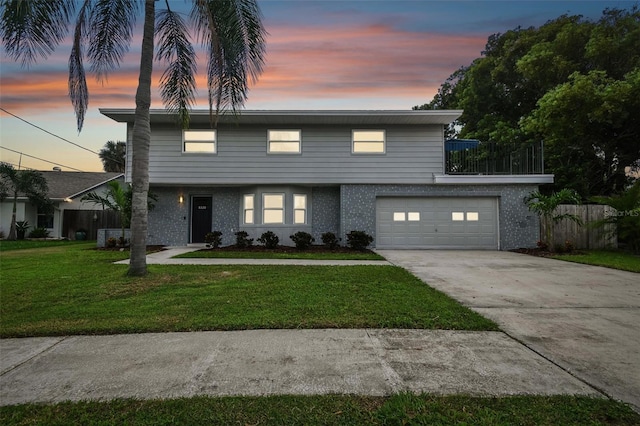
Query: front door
[200,218]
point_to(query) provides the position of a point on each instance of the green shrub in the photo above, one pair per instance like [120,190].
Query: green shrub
[330,240]
[111,242]
[242,240]
[359,240]
[269,239]
[39,233]
[21,228]
[213,238]
[302,240]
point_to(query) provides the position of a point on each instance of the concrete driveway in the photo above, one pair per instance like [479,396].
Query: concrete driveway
[585,319]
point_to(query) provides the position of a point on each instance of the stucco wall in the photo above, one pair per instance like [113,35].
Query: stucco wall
[339,210]
[518,226]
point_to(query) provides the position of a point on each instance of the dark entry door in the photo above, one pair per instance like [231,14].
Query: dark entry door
[200,218]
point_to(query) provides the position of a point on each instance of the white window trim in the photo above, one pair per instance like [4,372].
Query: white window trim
[384,142]
[283,209]
[269,151]
[202,141]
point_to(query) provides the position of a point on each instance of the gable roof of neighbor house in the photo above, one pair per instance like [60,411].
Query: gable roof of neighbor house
[276,117]
[63,185]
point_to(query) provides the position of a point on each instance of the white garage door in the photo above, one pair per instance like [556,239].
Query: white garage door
[438,222]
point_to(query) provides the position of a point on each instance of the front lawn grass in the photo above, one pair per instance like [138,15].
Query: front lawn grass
[331,410]
[6,245]
[608,258]
[266,254]
[77,290]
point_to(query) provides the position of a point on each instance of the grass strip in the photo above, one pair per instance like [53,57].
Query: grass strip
[608,258]
[75,290]
[331,410]
[6,245]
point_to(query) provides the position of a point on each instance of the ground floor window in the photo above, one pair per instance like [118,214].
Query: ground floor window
[275,205]
[272,208]
[45,220]
[248,209]
[299,209]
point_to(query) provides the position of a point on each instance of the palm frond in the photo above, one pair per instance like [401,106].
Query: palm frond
[232,33]
[178,82]
[78,90]
[31,29]
[111,24]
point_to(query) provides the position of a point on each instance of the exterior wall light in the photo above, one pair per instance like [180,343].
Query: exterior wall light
[181,199]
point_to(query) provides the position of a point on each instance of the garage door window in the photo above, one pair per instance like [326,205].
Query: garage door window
[472,216]
[414,216]
[457,216]
[399,217]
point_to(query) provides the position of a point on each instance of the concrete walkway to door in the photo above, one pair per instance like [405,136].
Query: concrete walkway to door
[583,318]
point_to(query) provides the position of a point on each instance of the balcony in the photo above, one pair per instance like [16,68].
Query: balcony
[472,157]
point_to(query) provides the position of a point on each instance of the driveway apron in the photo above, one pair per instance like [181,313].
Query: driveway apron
[583,318]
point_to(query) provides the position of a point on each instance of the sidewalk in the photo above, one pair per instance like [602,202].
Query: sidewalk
[165,257]
[267,362]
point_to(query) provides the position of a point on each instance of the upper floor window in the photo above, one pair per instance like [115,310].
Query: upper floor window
[272,208]
[284,142]
[199,141]
[368,142]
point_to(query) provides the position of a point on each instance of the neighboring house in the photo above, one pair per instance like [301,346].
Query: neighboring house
[383,172]
[69,214]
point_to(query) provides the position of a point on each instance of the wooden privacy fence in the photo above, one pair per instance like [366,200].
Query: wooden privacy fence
[585,236]
[89,220]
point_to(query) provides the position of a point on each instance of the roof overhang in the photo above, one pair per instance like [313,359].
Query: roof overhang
[273,117]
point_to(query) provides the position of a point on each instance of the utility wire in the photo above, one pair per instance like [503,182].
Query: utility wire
[56,136]
[41,159]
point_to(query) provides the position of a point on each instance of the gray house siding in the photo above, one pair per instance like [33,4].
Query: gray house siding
[413,155]
[518,227]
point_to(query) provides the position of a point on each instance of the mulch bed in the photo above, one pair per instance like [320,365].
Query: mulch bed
[543,253]
[287,249]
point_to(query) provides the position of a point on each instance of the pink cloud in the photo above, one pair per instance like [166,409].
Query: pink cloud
[303,64]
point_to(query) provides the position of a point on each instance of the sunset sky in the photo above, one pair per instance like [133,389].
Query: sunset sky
[320,55]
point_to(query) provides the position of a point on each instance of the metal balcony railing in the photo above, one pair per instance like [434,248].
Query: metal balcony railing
[472,157]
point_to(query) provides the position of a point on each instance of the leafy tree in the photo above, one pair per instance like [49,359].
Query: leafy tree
[230,31]
[591,127]
[627,217]
[571,82]
[545,206]
[113,156]
[31,183]
[118,198]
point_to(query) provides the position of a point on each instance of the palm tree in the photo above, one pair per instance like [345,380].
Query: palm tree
[626,219]
[113,156]
[545,206]
[117,198]
[28,182]
[230,31]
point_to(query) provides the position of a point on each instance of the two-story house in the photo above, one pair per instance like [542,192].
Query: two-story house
[388,173]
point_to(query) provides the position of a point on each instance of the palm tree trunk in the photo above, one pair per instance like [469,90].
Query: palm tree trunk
[140,149]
